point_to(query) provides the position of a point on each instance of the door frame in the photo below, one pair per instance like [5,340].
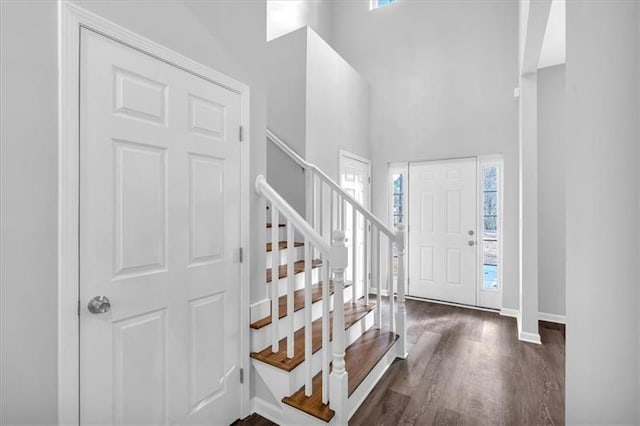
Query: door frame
[490,160]
[71,18]
[346,154]
[480,161]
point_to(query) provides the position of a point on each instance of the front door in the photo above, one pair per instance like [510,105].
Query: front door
[442,230]
[159,237]
[354,179]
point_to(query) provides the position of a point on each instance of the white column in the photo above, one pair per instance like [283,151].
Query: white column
[338,386]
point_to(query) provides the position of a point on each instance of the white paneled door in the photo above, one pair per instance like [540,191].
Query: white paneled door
[354,179]
[443,230]
[159,238]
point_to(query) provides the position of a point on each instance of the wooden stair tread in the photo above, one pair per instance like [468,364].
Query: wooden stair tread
[298,303]
[280,225]
[311,405]
[360,358]
[298,267]
[282,245]
[352,314]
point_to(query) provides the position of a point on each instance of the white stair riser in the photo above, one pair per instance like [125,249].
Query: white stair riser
[261,338]
[299,281]
[283,383]
[297,252]
[282,234]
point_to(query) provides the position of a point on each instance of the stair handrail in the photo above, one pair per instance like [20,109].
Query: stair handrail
[277,141]
[263,188]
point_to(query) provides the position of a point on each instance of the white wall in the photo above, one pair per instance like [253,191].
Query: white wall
[284,16]
[551,189]
[227,36]
[28,257]
[337,107]
[442,76]
[318,104]
[286,113]
[602,211]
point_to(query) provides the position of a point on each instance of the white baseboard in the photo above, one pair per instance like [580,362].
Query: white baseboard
[529,337]
[542,316]
[442,302]
[383,292]
[508,312]
[559,319]
[266,410]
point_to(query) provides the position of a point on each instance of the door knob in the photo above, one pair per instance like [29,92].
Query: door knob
[99,305]
[471,232]
[472,243]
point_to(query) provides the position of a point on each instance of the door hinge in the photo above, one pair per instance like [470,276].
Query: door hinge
[78,307]
[240,135]
[369,179]
[241,251]
[242,376]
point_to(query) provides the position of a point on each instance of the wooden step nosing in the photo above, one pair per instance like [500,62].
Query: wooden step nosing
[296,364]
[299,308]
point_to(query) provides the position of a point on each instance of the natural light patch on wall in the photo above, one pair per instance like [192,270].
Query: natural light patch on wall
[374,4]
[554,43]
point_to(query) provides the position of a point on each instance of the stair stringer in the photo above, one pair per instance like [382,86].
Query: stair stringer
[283,383]
[284,415]
[358,396]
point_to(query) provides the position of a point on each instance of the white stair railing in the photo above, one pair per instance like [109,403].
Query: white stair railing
[334,260]
[319,187]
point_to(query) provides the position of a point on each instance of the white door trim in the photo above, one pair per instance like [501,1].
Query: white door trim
[488,160]
[71,18]
[345,153]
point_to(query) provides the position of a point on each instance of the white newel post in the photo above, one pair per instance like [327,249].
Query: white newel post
[401,313]
[338,381]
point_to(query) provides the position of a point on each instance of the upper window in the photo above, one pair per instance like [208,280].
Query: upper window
[379,3]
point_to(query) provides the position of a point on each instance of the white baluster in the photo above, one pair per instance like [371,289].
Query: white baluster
[392,305]
[321,226]
[338,389]
[365,268]
[332,213]
[308,332]
[308,196]
[275,267]
[326,344]
[291,284]
[354,256]
[401,314]
[378,320]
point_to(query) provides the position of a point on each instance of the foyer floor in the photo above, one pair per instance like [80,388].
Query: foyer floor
[467,367]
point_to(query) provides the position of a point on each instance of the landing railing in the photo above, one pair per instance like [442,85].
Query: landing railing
[329,211]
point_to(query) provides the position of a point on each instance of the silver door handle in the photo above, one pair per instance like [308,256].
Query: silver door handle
[472,243]
[99,305]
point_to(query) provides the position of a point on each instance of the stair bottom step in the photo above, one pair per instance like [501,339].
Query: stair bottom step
[360,358]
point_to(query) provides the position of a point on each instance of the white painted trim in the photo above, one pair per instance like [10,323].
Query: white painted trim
[497,161]
[542,316]
[508,312]
[457,305]
[558,319]
[71,18]
[343,153]
[525,336]
[383,291]
[266,410]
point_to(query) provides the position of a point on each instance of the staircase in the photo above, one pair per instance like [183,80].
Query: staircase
[325,342]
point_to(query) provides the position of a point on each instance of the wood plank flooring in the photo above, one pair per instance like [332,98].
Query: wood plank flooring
[467,367]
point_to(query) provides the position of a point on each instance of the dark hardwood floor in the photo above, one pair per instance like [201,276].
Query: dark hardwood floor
[467,367]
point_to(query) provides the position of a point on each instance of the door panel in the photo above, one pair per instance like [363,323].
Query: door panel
[159,226]
[442,223]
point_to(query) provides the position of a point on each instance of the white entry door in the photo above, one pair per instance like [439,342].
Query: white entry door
[354,179]
[442,230]
[159,237]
